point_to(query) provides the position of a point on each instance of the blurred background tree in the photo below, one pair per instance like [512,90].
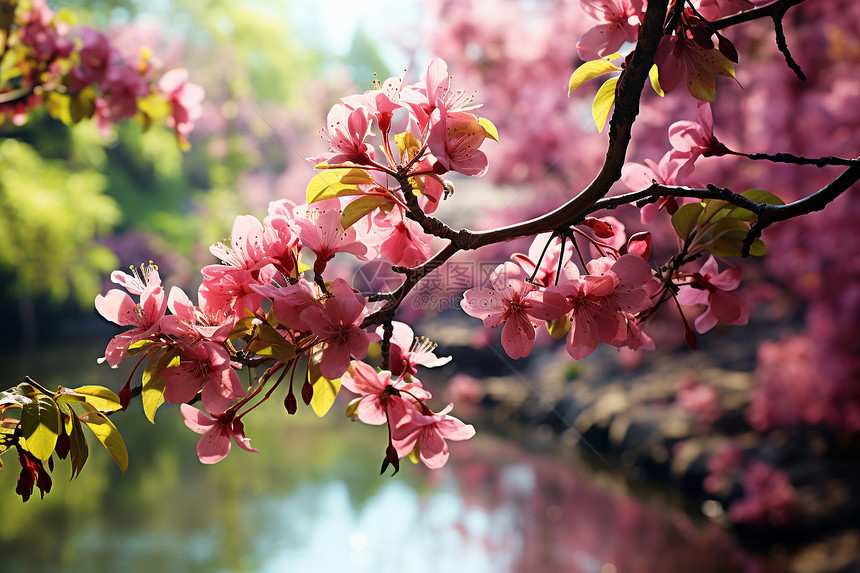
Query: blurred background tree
[77,204]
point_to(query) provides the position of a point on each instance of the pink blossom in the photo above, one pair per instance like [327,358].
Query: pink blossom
[203,366]
[545,255]
[408,351]
[404,242]
[675,168]
[144,317]
[214,444]
[289,302]
[696,137]
[454,141]
[381,398]
[185,99]
[383,102]
[600,305]
[346,129]
[321,231]
[680,58]
[512,301]
[337,325]
[39,32]
[231,290]
[189,321]
[619,23]
[246,248]
[440,95]
[769,497]
[123,85]
[711,288]
[95,58]
[429,432]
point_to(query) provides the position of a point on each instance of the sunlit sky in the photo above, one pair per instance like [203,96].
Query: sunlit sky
[333,23]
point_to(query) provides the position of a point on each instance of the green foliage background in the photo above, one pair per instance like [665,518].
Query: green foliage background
[75,205]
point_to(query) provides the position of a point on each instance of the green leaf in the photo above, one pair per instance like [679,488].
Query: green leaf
[58,106]
[243,326]
[107,434]
[325,392]
[686,218]
[352,407]
[353,212]
[589,71]
[40,426]
[153,382]
[489,128]
[758,249]
[99,397]
[559,327]
[79,449]
[720,228]
[603,103]
[759,196]
[268,342]
[712,207]
[337,183]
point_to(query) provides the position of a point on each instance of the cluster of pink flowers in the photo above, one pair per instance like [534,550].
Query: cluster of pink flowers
[262,304]
[79,70]
[768,496]
[596,307]
[606,304]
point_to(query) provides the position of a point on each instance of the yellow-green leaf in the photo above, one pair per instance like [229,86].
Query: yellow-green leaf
[414,455]
[153,382]
[489,128]
[703,64]
[559,327]
[758,249]
[712,207]
[759,196]
[336,183]
[603,103]
[353,212]
[268,342]
[352,407]
[685,219]
[654,76]
[107,434]
[407,144]
[40,426]
[138,347]
[99,397]
[589,71]
[325,391]
[242,327]
[58,106]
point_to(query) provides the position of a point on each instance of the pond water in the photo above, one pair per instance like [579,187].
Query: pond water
[313,501]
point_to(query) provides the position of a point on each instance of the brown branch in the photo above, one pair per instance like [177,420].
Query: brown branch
[628,93]
[776,9]
[656,190]
[413,277]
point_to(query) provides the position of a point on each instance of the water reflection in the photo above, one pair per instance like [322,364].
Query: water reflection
[313,501]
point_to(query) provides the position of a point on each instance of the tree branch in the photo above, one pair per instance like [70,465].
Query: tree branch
[776,9]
